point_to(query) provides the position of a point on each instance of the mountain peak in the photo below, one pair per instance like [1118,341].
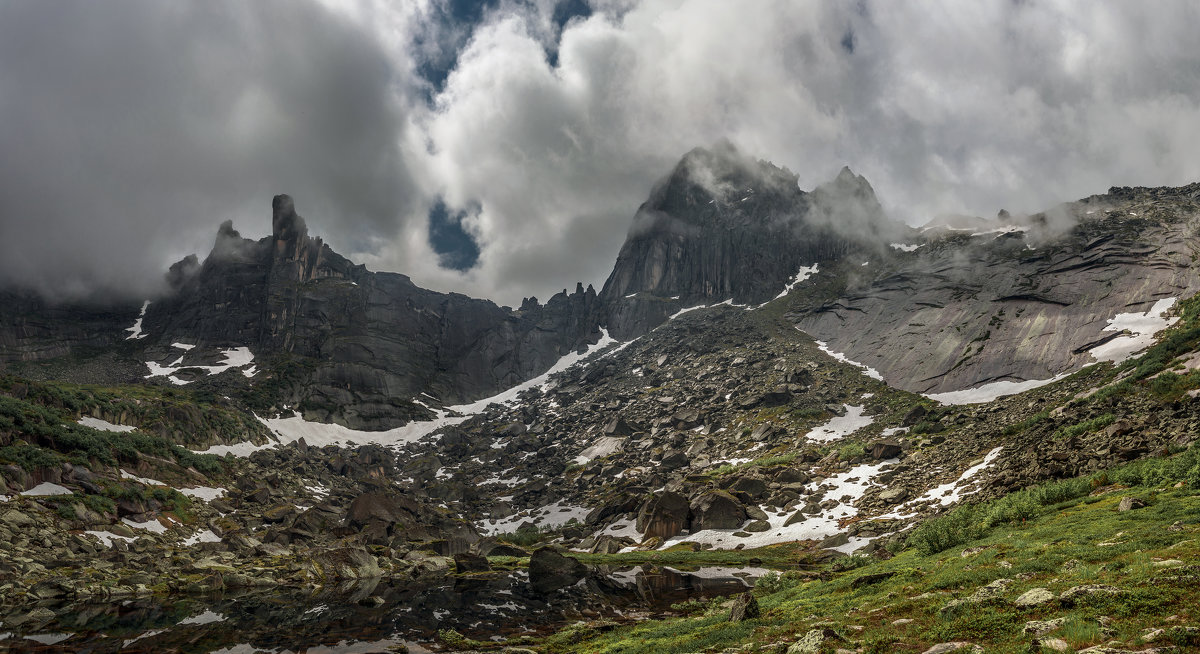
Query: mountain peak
[286,224]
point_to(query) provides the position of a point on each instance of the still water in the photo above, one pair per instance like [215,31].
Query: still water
[369,616]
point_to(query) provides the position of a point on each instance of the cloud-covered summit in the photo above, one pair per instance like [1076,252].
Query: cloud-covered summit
[533,129]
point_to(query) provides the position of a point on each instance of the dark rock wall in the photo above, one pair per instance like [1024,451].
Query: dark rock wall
[32,328]
[723,226]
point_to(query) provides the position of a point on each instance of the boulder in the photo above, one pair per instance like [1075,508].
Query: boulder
[467,562]
[1033,597]
[1130,503]
[751,486]
[503,549]
[618,427]
[745,607]
[814,642]
[716,510]
[663,515]
[945,648]
[885,449]
[673,461]
[549,570]
[344,563]
[1074,595]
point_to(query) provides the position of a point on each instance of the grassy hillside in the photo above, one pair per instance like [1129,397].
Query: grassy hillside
[961,576]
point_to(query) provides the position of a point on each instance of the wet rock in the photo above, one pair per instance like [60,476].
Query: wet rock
[549,570]
[663,515]
[38,616]
[426,564]
[344,563]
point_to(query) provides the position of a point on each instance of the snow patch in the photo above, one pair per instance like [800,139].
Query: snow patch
[149,525]
[238,357]
[142,480]
[989,392]
[845,489]
[683,311]
[1007,229]
[136,332]
[542,381]
[867,370]
[48,639]
[905,247]
[602,447]
[550,516]
[104,425]
[206,536]
[206,493]
[1143,327]
[841,426]
[804,273]
[947,494]
[46,488]
[319,434]
[208,617]
[106,538]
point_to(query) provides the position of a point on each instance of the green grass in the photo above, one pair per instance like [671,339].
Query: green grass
[39,430]
[1053,536]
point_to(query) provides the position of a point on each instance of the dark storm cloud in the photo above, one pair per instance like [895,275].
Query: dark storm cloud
[130,129]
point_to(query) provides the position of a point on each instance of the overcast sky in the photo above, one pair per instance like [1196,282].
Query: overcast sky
[530,130]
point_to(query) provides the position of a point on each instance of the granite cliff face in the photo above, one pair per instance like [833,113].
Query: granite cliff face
[373,341]
[937,310]
[33,328]
[1021,302]
[723,226]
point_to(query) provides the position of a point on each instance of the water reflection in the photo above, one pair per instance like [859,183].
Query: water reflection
[370,616]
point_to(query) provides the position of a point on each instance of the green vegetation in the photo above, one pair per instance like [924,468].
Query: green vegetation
[40,431]
[1055,536]
[524,536]
[1086,427]
[851,451]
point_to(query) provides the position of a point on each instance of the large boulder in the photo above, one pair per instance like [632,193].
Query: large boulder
[886,449]
[465,562]
[717,510]
[344,563]
[663,515]
[549,570]
[753,487]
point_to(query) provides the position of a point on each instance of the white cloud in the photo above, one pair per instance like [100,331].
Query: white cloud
[944,107]
[962,107]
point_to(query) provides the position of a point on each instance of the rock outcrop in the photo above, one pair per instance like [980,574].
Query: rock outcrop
[723,226]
